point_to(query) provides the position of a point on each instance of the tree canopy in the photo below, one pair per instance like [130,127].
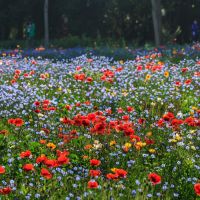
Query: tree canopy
[128,19]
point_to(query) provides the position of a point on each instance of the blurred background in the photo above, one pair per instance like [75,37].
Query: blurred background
[97,22]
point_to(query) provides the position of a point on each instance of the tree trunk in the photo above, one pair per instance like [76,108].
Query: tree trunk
[156,16]
[46,24]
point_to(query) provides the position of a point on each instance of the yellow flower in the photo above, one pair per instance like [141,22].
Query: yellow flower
[149,134]
[152,151]
[113,169]
[166,74]
[148,76]
[113,67]
[51,146]
[192,131]
[160,63]
[128,145]
[178,137]
[173,140]
[139,145]
[121,62]
[46,75]
[88,146]
[192,113]
[193,148]
[124,94]
[113,94]
[113,142]
[194,108]
[59,89]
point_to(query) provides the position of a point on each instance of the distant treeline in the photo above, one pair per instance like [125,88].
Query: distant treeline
[128,19]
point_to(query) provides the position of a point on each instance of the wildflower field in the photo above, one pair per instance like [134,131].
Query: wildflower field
[96,128]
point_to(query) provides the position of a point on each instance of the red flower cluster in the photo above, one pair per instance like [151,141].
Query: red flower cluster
[154,178]
[62,159]
[5,190]
[92,184]
[175,123]
[2,170]
[107,76]
[95,162]
[95,173]
[119,173]
[44,105]
[197,188]
[25,154]
[28,167]
[17,121]
[46,174]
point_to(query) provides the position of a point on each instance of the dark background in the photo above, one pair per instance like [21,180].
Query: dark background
[127,19]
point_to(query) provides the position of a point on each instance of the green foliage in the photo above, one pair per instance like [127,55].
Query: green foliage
[130,19]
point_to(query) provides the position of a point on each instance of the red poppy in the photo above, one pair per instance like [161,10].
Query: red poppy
[169,116]
[187,82]
[95,173]
[120,110]
[91,117]
[4,132]
[37,111]
[46,173]
[154,178]
[13,81]
[128,131]
[92,184]
[95,162]
[78,68]
[190,121]
[160,122]
[184,69]
[46,102]
[50,163]
[112,176]
[134,138]
[121,173]
[41,159]
[26,75]
[5,191]
[17,71]
[129,109]
[119,69]
[177,122]
[68,107]
[62,153]
[139,68]
[11,121]
[141,121]
[62,160]
[149,141]
[86,122]
[125,117]
[18,122]
[25,154]
[197,188]
[99,128]
[178,83]
[28,167]
[2,170]
[89,79]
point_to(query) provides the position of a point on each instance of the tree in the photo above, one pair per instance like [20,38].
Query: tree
[46,24]
[156,16]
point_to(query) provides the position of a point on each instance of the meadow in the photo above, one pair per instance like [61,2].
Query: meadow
[91,127]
